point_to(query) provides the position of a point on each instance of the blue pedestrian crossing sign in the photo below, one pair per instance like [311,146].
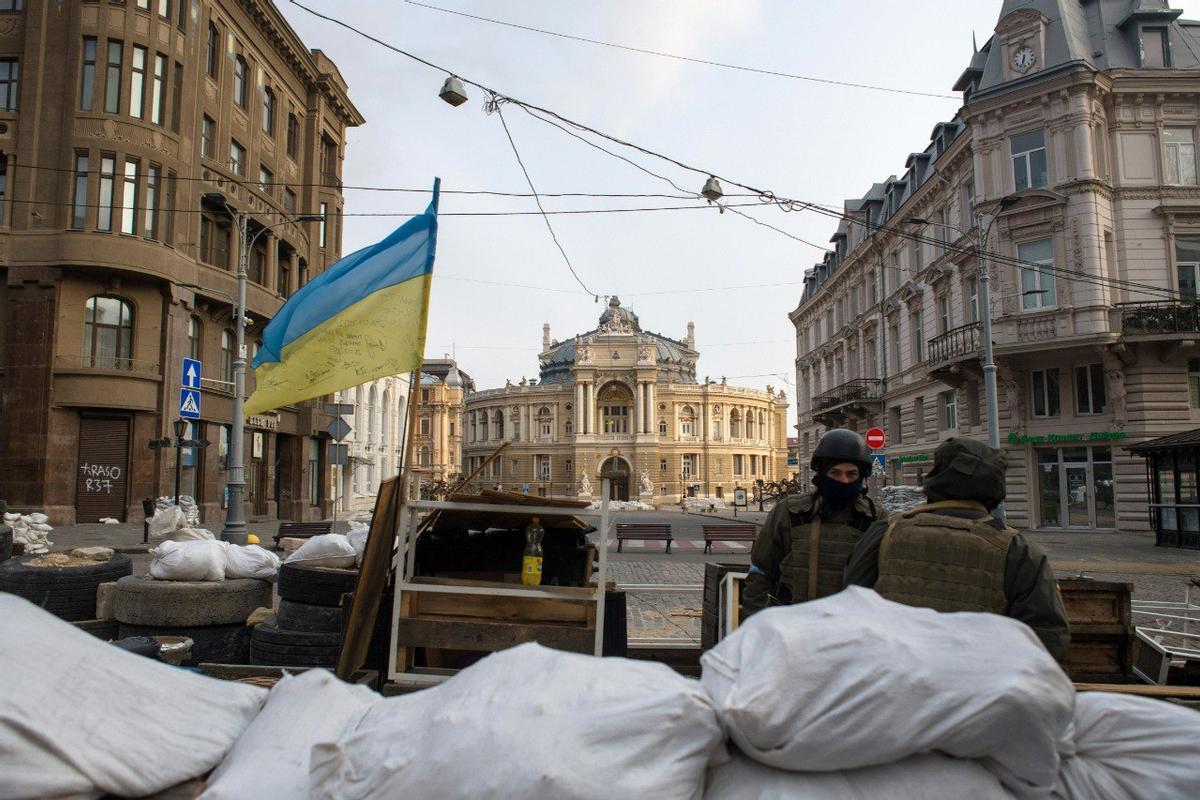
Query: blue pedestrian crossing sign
[878,463]
[189,403]
[191,373]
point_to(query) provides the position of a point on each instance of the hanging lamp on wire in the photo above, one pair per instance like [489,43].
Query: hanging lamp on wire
[712,190]
[453,91]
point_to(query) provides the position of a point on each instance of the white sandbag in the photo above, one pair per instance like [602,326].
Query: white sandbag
[929,776]
[166,520]
[86,718]
[855,680]
[1130,748]
[201,560]
[270,760]
[326,550]
[190,535]
[250,561]
[358,539]
[531,722]
[38,518]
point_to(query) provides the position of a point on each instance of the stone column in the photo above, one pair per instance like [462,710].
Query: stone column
[271,279]
[579,416]
[231,260]
[293,273]
[527,412]
[650,406]
[637,409]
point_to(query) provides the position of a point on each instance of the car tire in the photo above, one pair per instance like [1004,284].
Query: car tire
[307,618]
[198,604]
[273,636]
[66,592]
[317,586]
[216,644]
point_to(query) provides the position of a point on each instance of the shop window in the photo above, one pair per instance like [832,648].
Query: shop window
[1090,394]
[1044,384]
[107,333]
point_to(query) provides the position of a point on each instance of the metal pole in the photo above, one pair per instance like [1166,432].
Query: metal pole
[235,517]
[989,363]
[178,466]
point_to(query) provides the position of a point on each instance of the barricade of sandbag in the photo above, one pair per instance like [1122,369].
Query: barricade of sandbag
[79,717]
[210,560]
[1127,748]
[854,680]
[32,531]
[187,504]
[899,497]
[531,722]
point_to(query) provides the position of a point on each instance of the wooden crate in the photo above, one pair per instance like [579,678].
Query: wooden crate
[1101,619]
[434,626]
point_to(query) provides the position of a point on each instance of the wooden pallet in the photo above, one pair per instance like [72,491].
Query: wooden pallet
[1101,620]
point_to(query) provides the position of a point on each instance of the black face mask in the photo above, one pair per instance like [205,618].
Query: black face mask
[836,493]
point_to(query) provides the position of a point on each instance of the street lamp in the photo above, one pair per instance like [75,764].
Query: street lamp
[180,426]
[989,363]
[235,518]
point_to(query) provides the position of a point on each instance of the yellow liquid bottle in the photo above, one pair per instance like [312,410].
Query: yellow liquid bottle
[531,564]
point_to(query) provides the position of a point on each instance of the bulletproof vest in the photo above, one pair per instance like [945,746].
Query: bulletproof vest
[825,544]
[945,563]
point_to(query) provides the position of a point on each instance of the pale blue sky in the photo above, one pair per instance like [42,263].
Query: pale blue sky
[800,139]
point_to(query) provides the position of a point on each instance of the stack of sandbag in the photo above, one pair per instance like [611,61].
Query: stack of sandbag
[81,718]
[186,503]
[899,498]
[327,550]
[854,680]
[30,530]
[1131,747]
[531,722]
[358,539]
[211,560]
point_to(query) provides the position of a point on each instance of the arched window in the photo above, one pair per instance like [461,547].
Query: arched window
[195,345]
[735,424]
[497,424]
[371,408]
[762,428]
[749,424]
[239,81]
[386,419]
[227,341]
[568,428]
[687,421]
[268,119]
[662,427]
[474,426]
[401,411]
[107,333]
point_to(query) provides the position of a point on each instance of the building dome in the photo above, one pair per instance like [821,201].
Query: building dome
[618,320]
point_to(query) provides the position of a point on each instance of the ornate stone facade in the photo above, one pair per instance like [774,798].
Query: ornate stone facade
[622,399]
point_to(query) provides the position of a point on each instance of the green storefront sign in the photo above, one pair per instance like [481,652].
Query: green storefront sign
[915,457]
[1066,438]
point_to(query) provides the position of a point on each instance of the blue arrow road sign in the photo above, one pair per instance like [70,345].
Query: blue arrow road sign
[189,403]
[191,373]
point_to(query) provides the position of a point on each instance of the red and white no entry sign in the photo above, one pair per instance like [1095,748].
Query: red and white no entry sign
[876,438]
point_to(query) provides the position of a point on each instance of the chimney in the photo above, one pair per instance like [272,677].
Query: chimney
[545,337]
[690,341]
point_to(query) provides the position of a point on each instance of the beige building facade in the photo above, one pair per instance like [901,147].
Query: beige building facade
[438,434]
[619,399]
[1075,151]
[130,131]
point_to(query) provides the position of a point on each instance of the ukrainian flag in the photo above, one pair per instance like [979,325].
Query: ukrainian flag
[363,318]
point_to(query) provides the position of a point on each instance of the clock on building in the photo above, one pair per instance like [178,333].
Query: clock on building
[1024,58]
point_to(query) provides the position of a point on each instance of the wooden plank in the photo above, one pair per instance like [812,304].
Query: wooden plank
[525,609]
[1142,690]
[455,634]
[567,592]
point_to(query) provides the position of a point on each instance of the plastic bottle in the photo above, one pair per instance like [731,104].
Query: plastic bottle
[531,564]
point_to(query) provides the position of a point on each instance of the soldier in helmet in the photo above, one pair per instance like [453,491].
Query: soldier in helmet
[804,544]
[951,554]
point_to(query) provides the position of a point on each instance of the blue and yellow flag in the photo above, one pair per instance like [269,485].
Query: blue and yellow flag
[362,318]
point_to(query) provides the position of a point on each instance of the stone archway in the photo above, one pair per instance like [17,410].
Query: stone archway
[620,471]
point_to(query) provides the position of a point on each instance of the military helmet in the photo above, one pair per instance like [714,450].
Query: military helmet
[839,446]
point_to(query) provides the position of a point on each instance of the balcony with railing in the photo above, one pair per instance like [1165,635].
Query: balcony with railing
[851,400]
[1159,318]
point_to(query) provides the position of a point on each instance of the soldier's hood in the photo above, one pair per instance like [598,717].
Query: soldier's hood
[804,503]
[964,469]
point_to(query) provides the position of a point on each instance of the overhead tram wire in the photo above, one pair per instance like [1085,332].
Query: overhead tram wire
[785,204]
[689,59]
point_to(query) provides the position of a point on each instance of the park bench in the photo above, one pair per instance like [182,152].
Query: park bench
[302,530]
[741,532]
[644,531]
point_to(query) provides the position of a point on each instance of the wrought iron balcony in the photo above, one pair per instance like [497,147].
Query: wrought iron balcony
[1155,318]
[850,391]
[961,342]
